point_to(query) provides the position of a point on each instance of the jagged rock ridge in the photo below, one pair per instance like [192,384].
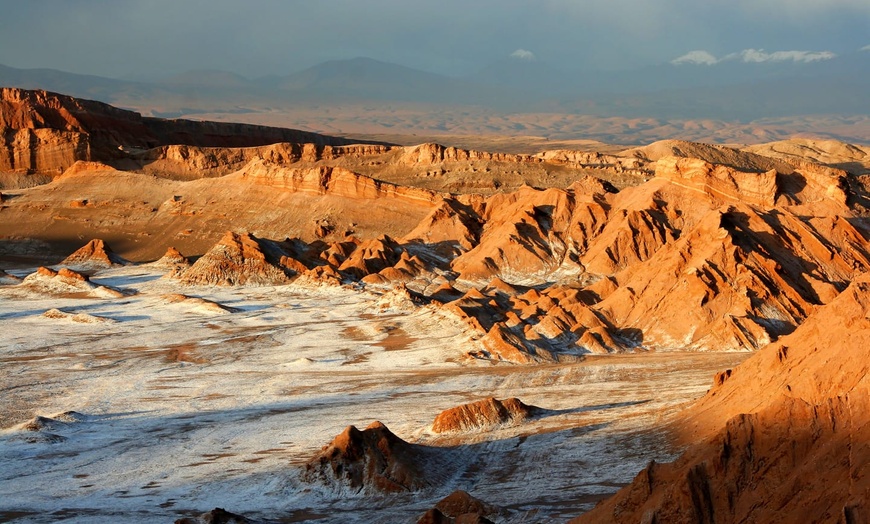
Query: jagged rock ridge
[48,132]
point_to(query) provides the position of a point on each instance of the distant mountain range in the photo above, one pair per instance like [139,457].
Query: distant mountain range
[733,90]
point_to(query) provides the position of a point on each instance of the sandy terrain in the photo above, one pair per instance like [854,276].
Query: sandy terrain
[180,407]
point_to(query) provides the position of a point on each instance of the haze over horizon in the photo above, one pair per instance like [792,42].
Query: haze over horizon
[131,40]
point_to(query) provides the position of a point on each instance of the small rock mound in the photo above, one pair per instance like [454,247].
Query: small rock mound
[67,281]
[172,260]
[241,259]
[215,516]
[96,254]
[483,414]
[45,430]
[81,318]
[198,305]
[459,508]
[372,459]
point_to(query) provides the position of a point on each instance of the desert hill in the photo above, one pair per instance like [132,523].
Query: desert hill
[785,434]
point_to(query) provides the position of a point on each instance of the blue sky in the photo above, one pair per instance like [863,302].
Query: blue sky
[122,38]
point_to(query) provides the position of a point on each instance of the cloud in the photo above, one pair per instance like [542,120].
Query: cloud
[865,48]
[755,56]
[758,56]
[523,54]
[696,57]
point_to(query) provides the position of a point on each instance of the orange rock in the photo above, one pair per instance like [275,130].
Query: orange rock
[483,414]
[94,254]
[240,258]
[372,460]
[783,437]
[370,257]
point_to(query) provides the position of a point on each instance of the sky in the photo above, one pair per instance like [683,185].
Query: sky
[254,38]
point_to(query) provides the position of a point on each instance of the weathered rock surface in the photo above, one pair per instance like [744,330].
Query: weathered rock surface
[81,318]
[784,437]
[720,249]
[66,282]
[483,414]
[375,460]
[848,157]
[49,132]
[172,259]
[96,254]
[240,259]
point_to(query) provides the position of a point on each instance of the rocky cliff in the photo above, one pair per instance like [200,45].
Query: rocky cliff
[48,132]
[784,437]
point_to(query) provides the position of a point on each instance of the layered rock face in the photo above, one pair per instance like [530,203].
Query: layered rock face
[787,434]
[49,132]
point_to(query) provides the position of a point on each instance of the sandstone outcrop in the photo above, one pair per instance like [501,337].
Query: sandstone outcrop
[781,438]
[710,153]
[66,282]
[240,259]
[48,132]
[720,249]
[96,254]
[848,157]
[335,181]
[752,254]
[374,460]
[482,415]
[81,318]
[172,260]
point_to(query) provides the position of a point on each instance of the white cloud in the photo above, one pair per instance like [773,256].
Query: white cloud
[758,55]
[695,57]
[523,54]
[865,48]
[755,56]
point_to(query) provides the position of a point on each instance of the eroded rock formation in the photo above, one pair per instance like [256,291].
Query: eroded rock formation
[483,414]
[96,254]
[786,434]
[374,459]
[240,259]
